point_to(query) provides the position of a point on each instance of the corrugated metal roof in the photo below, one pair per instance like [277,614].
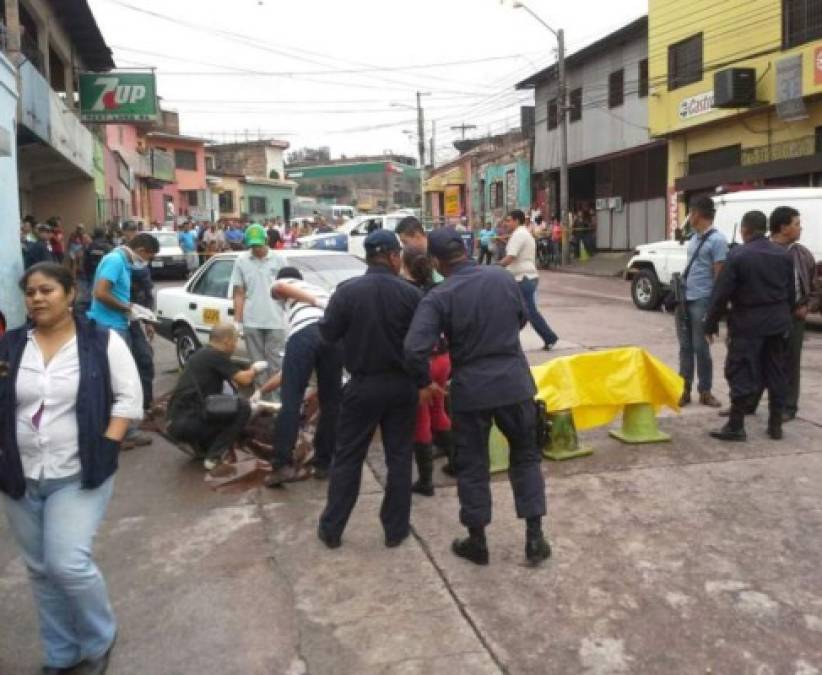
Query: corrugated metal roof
[76,17]
[634,29]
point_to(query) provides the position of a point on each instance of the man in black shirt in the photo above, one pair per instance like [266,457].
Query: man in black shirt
[41,250]
[481,311]
[758,281]
[205,373]
[370,315]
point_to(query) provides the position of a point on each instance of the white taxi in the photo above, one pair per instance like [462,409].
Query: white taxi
[187,313]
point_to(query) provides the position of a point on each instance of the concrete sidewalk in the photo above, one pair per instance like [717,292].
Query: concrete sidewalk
[603,264]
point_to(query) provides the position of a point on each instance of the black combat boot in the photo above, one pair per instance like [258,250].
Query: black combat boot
[445,441]
[537,549]
[775,424]
[734,430]
[473,547]
[425,469]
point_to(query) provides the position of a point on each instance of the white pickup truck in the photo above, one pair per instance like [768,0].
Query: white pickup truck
[652,265]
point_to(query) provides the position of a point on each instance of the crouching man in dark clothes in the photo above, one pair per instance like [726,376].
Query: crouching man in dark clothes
[205,373]
[481,310]
[758,282]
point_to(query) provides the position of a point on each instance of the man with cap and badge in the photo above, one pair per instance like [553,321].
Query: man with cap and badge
[758,282]
[481,311]
[370,315]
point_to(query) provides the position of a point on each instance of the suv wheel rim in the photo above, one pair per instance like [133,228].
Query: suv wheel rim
[185,348]
[644,291]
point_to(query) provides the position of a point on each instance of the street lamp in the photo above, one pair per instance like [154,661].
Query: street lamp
[563,115]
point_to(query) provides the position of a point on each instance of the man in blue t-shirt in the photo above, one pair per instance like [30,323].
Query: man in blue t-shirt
[707,253]
[188,242]
[111,305]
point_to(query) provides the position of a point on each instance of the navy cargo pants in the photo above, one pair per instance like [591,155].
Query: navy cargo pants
[471,430]
[387,401]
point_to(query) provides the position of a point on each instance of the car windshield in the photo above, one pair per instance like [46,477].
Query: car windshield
[166,239]
[326,271]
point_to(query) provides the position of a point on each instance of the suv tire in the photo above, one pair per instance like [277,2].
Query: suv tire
[646,291]
[185,344]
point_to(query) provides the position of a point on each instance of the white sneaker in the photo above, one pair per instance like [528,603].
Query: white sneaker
[211,464]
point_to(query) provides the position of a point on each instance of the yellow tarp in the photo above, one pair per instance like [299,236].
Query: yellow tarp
[596,386]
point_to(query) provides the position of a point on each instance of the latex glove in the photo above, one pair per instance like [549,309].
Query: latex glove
[140,313]
[259,366]
[256,397]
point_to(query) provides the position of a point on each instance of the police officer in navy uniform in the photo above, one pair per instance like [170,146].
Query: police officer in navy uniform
[481,312]
[758,282]
[370,315]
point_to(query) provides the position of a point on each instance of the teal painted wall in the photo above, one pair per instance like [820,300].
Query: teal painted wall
[499,172]
[274,197]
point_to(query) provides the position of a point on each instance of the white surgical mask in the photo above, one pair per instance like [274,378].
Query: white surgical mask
[137,263]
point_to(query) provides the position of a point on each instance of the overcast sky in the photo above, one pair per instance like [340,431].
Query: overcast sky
[274,66]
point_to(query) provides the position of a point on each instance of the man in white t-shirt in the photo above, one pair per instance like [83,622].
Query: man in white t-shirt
[305,352]
[520,259]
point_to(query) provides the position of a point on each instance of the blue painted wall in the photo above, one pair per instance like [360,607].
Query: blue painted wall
[498,172]
[11,259]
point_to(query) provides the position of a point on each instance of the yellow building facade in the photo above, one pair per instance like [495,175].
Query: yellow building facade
[773,140]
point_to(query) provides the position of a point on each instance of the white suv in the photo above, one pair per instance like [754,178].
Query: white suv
[652,265]
[187,313]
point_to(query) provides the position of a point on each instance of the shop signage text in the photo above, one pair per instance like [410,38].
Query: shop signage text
[118,97]
[701,104]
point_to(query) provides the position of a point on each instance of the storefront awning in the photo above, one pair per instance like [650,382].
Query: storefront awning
[437,183]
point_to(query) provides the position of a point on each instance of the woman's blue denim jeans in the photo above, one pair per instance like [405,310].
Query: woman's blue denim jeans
[54,524]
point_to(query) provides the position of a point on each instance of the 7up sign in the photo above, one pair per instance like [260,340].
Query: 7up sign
[118,97]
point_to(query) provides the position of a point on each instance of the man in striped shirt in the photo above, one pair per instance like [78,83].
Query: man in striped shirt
[305,352]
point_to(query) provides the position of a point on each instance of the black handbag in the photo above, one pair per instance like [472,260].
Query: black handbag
[675,298]
[218,407]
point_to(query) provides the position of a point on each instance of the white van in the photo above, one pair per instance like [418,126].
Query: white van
[652,265]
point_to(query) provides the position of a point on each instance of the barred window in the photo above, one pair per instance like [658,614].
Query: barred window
[801,22]
[685,62]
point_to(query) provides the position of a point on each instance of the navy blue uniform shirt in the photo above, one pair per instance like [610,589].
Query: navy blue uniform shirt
[481,312]
[758,280]
[371,315]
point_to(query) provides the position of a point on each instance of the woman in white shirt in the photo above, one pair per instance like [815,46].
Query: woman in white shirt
[68,390]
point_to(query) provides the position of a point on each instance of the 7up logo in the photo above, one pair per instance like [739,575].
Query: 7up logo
[114,95]
[118,97]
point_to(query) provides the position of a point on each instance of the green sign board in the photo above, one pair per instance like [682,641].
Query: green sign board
[118,97]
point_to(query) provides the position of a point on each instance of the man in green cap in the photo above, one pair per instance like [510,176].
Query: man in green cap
[263,321]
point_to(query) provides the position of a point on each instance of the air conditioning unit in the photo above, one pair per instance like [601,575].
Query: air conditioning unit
[616,203]
[735,88]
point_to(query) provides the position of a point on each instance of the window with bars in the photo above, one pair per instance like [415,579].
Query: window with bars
[191,197]
[185,159]
[685,62]
[643,78]
[714,160]
[227,202]
[553,114]
[257,205]
[801,22]
[616,88]
[575,105]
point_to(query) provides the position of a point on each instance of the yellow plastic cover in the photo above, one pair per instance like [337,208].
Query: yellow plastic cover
[595,386]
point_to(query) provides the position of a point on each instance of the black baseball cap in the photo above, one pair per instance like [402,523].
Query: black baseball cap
[445,243]
[381,241]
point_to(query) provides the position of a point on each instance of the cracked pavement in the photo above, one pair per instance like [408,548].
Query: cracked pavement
[683,557]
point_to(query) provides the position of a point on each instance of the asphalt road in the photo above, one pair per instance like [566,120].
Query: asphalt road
[683,557]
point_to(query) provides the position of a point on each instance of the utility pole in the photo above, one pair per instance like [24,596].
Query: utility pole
[563,113]
[433,151]
[463,128]
[421,148]
[563,167]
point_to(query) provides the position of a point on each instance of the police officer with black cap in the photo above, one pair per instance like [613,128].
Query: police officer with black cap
[371,315]
[481,311]
[758,282]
